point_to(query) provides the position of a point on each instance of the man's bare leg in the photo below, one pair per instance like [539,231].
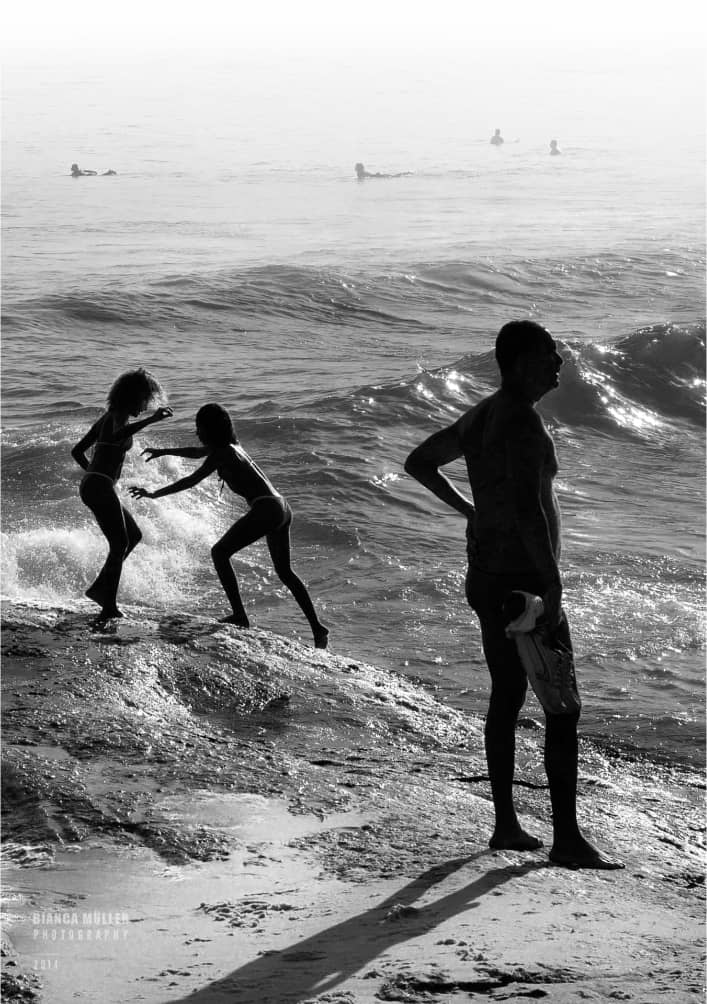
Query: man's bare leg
[569,848]
[499,733]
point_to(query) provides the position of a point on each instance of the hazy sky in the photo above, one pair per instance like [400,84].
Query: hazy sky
[50,24]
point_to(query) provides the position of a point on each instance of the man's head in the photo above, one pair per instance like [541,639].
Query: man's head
[528,358]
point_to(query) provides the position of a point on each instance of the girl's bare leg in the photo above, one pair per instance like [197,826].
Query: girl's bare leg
[279,546]
[122,533]
[245,531]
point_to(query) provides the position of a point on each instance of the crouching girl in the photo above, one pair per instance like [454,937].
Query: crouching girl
[268,514]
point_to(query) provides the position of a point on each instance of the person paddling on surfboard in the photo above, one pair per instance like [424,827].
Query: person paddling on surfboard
[269,514]
[362,173]
[77,172]
[513,544]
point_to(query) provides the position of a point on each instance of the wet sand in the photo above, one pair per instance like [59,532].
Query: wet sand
[196,813]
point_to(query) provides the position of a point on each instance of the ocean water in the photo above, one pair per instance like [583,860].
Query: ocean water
[236,255]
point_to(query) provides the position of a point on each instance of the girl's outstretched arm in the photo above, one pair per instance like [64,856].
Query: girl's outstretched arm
[125,431]
[189,452]
[178,486]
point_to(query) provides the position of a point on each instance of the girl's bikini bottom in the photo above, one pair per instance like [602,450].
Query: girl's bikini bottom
[282,505]
[97,474]
[97,490]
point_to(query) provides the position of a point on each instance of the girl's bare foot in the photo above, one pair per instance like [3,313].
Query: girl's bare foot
[241,622]
[95,593]
[321,637]
[108,613]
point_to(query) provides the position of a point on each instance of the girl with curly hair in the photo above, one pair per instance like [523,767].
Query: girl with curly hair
[269,514]
[111,436]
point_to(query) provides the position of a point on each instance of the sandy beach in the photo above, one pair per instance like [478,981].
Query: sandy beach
[197,813]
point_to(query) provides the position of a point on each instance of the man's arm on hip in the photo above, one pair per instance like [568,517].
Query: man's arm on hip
[423,464]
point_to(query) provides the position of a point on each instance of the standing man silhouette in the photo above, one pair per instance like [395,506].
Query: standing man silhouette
[513,535]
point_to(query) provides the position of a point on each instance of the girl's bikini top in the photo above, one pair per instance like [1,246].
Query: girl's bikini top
[108,456]
[242,457]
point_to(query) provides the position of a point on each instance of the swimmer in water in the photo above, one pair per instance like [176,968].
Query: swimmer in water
[554,149]
[362,173]
[269,514]
[497,138]
[131,394]
[76,172]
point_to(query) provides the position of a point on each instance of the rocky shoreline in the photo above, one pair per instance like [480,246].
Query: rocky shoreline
[178,753]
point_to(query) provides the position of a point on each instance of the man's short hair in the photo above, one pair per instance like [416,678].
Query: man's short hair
[516,338]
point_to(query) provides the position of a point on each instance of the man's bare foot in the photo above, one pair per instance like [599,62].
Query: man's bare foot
[321,637]
[514,840]
[579,853]
[241,622]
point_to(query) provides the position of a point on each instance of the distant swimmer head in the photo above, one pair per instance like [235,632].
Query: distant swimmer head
[553,147]
[214,426]
[134,391]
[360,170]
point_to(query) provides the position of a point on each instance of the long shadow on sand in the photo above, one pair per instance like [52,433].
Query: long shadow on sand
[324,960]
